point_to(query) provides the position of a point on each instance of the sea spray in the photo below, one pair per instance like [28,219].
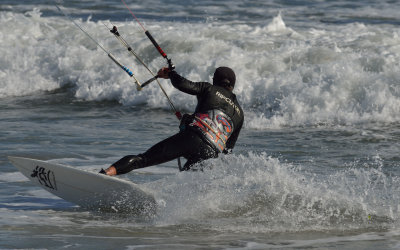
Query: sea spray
[264,194]
[285,77]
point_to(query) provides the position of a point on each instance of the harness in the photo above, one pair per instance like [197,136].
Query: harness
[215,126]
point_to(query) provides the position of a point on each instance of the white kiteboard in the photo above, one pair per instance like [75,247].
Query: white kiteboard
[89,190]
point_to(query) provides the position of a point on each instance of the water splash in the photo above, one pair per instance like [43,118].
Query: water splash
[343,74]
[258,193]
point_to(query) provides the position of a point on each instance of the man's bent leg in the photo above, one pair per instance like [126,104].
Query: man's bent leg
[166,150]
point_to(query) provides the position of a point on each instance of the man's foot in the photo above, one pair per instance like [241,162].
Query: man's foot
[111,171]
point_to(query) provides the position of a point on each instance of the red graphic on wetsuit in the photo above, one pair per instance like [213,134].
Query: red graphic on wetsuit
[217,135]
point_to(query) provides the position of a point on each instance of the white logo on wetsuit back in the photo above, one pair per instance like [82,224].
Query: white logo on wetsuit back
[229,101]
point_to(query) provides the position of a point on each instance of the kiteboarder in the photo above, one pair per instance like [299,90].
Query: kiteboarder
[212,129]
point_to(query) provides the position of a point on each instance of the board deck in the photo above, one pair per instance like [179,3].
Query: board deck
[87,189]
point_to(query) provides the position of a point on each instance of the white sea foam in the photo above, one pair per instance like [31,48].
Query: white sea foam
[13,177]
[285,77]
[255,193]
[266,195]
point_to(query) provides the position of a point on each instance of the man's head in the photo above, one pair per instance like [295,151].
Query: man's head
[224,77]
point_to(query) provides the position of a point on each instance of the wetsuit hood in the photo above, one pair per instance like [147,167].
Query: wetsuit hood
[225,77]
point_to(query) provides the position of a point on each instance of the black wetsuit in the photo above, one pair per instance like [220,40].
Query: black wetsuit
[192,141]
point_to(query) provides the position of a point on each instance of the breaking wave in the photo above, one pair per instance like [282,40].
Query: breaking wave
[341,74]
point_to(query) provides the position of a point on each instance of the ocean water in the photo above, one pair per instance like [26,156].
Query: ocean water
[316,165]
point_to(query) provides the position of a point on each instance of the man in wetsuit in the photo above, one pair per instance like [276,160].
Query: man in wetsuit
[212,129]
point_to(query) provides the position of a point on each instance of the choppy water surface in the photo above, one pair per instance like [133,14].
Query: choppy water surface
[316,165]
